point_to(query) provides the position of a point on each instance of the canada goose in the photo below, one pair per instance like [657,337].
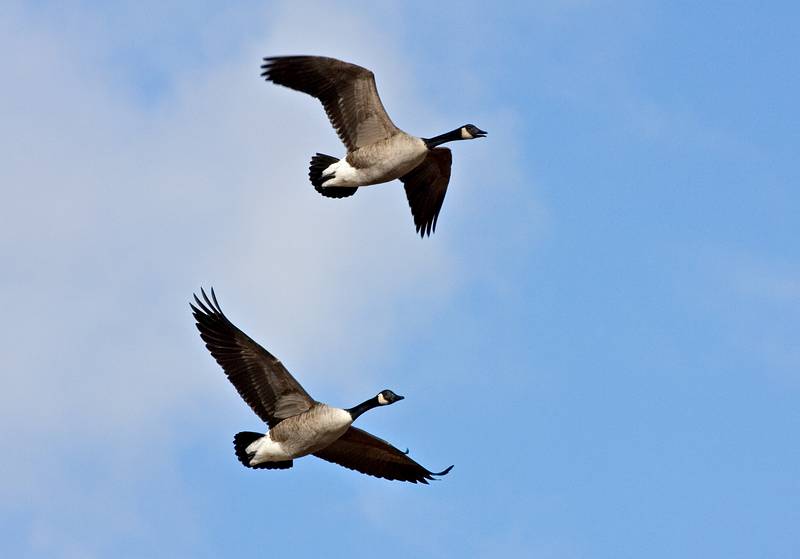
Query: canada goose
[298,424]
[377,150]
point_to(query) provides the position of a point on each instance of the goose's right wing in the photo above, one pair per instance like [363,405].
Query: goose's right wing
[347,92]
[358,450]
[259,377]
[426,186]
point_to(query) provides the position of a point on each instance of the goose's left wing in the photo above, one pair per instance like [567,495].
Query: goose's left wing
[358,450]
[258,376]
[426,186]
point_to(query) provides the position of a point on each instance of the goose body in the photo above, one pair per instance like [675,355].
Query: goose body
[300,435]
[298,425]
[377,150]
[376,163]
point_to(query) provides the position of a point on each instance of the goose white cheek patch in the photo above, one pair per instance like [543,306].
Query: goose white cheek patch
[381,400]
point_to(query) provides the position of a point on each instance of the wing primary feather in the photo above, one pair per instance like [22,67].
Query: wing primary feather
[214,297]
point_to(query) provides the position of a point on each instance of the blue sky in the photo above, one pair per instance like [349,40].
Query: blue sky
[601,336]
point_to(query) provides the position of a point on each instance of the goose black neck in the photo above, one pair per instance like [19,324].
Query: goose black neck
[363,406]
[451,136]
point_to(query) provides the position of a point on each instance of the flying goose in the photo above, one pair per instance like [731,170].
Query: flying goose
[377,150]
[298,424]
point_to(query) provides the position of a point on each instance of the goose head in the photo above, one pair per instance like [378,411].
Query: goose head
[471,132]
[386,397]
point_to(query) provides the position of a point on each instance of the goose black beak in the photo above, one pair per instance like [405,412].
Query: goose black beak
[480,134]
[398,398]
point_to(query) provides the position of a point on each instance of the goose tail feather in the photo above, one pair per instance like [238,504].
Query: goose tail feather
[316,168]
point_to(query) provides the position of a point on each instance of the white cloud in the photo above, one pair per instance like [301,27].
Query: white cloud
[113,214]
[115,211]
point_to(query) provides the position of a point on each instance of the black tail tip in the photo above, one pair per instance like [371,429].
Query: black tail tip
[240,443]
[319,163]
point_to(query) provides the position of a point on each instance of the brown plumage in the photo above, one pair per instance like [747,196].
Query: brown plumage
[298,425]
[377,150]
[258,376]
[347,92]
[425,188]
[358,450]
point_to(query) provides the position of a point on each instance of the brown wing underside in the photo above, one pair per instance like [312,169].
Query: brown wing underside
[347,92]
[258,376]
[358,450]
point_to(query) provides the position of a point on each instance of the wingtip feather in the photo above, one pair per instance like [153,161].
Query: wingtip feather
[445,471]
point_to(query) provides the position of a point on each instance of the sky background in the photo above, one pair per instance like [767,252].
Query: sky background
[602,335]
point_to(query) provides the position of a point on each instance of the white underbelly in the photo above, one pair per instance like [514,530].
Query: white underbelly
[267,450]
[343,175]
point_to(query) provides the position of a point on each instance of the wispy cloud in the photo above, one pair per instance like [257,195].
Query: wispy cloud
[114,212]
[120,199]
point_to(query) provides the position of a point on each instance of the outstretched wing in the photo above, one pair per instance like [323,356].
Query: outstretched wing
[358,450]
[426,186]
[259,377]
[347,92]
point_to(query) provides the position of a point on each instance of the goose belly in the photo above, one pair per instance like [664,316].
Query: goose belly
[377,163]
[312,431]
